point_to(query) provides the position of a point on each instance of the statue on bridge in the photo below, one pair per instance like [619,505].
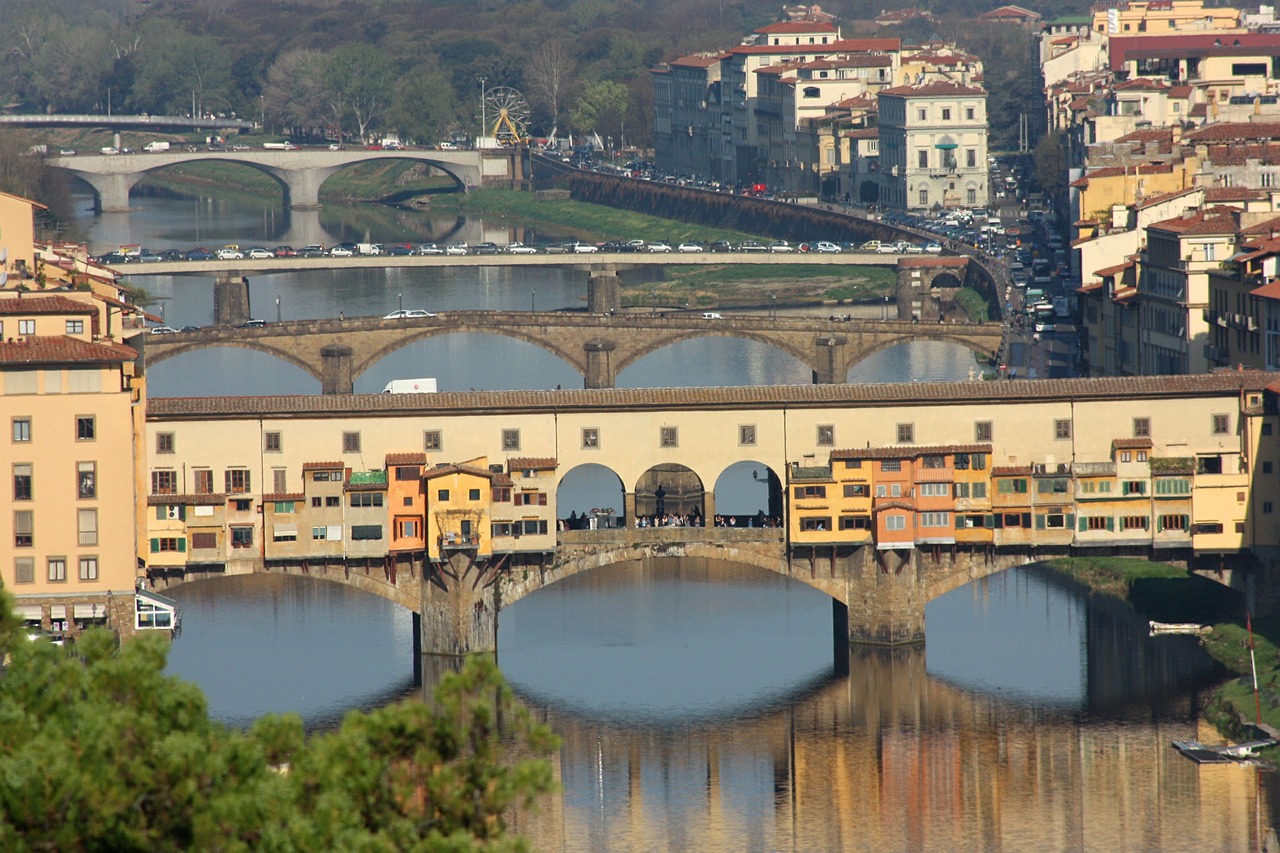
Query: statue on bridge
[661,497]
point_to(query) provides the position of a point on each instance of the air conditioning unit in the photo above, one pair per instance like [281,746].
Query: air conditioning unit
[173,513]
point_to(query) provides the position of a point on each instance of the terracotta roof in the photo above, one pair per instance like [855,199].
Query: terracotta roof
[1234,131]
[1270,290]
[283,496]
[61,349]
[1125,48]
[457,403]
[44,305]
[1132,444]
[441,470]
[1009,12]
[186,500]
[1180,92]
[323,466]
[1212,194]
[1153,134]
[1212,220]
[531,463]
[863,133]
[1267,153]
[1011,471]
[501,480]
[908,451]
[406,459]
[1115,270]
[935,89]
[798,27]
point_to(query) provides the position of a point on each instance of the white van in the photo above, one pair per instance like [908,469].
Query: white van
[711,315]
[411,386]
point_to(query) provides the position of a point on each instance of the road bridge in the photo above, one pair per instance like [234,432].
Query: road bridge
[599,346]
[300,173]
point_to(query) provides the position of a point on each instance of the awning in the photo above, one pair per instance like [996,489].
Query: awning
[29,612]
[90,611]
[57,611]
[946,146]
[286,528]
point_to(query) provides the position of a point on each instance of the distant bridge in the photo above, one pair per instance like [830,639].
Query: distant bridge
[300,173]
[597,346]
[126,122]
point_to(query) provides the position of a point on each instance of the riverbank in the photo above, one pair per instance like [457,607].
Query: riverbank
[1165,593]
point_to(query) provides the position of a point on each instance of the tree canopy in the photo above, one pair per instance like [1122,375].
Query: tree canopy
[99,750]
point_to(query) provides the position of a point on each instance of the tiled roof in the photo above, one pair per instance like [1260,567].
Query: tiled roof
[442,470]
[863,133]
[1124,48]
[798,27]
[323,466]
[1132,444]
[1009,12]
[1212,220]
[1267,153]
[1270,290]
[406,459]
[938,88]
[1115,270]
[531,463]
[1011,471]
[44,305]
[459,403]
[1153,134]
[1234,131]
[908,451]
[186,500]
[283,496]
[1222,194]
[61,349]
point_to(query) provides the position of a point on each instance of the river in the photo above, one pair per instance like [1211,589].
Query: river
[702,706]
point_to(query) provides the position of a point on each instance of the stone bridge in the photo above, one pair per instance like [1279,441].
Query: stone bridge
[878,597]
[300,173]
[598,346]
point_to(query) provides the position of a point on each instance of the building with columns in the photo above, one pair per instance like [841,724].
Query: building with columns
[933,146]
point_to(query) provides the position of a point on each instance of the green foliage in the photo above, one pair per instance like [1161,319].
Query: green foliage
[973,304]
[99,750]
[602,109]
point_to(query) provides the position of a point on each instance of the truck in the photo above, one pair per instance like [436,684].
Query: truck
[411,386]
[391,143]
[155,147]
[369,248]
[279,146]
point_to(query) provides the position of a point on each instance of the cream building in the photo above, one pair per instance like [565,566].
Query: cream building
[933,146]
[17,239]
[1156,17]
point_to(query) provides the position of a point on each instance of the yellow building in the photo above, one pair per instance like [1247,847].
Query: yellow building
[1161,17]
[458,513]
[17,238]
[74,409]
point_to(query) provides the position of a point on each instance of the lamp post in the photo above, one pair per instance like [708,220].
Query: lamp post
[773,306]
[277,309]
[400,300]
[484,119]
[533,298]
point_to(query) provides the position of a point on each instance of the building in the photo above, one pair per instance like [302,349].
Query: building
[933,146]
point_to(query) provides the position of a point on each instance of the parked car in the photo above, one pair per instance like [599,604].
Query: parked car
[399,250]
[284,252]
[259,253]
[722,246]
[520,249]
[458,248]
[659,246]
[826,247]
[315,250]
[485,248]
[752,246]
[230,255]
[781,246]
[189,329]
[407,313]
[199,253]
[690,248]
[580,248]
[933,248]
[253,324]
[163,330]
[342,252]
[428,249]
[886,249]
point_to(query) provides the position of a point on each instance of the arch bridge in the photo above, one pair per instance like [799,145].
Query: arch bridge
[598,346]
[300,173]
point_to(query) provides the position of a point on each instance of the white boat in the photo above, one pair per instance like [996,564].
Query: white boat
[1158,628]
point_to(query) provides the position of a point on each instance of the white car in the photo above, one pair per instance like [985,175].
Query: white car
[781,246]
[259,253]
[230,255]
[163,330]
[457,249]
[584,249]
[520,249]
[428,249]
[690,248]
[912,249]
[341,252]
[658,247]
[826,247]
[886,249]
[407,313]
[933,249]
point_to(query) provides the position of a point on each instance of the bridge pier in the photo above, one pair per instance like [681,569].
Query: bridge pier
[600,372]
[604,292]
[112,190]
[829,359]
[336,370]
[231,301]
[459,613]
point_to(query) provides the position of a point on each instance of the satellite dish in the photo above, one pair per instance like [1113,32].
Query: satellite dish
[4,278]
[4,255]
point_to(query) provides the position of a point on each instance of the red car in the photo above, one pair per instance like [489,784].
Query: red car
[284,252]
[374,146]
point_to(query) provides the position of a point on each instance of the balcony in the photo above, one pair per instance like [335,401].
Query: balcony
[1217,354]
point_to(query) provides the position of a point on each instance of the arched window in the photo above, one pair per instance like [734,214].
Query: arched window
[812,92]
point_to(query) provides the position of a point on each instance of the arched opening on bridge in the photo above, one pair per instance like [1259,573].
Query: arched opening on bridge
[589,497]
[227,371]
[748,494]
[471,360]
[411,177]
[670,493]
[715,361]
[946,279]
[194,174]
[919,361]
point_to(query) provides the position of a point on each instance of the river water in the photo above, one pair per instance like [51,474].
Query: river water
[702,706]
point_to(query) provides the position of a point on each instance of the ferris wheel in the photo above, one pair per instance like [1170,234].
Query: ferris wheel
[509,112]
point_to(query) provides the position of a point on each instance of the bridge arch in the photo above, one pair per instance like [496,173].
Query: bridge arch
[544,342]
[591,486]
[671,489]
[710,331]
[308,367]
[950,337]
[747,492]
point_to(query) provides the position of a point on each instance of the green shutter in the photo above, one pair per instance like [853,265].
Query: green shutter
[1026,519]
[160,513]
[1111,522]
[182,513]
[1084,524]
[182,544]
[155,546]
[1071,520]
[993,521]
[959,521]
[1039,521]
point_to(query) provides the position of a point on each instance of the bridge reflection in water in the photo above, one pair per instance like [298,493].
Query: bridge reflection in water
[885,757]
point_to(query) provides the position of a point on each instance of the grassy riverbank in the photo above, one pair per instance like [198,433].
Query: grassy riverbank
[1169,594]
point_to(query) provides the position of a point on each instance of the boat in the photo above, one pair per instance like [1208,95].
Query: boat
[1159,628]
[1202,753]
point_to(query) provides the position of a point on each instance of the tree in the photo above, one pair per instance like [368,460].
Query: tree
[360,82]
[550,71]
[1050,162]
[425,105]
[602,108]
[100,750]
[179,73]
[295,95]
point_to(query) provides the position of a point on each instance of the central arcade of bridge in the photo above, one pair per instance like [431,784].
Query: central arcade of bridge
[599,346]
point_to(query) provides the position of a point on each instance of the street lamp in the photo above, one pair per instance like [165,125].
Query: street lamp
[277,309]
[773,306]
[484,119]
[400,299]
[533,298]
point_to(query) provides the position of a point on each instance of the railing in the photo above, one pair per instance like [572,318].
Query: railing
[628,536]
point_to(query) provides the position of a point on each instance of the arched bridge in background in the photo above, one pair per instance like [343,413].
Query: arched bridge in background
[599,346]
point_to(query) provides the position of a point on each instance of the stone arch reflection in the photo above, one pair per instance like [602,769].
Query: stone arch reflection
[669,492]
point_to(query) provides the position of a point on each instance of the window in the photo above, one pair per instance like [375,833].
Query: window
[26,327]
[87,523]
[164,482]
[326,476]
[890,465]
[1062,428]
[285,534]
[921,113]
[473,494]
[272,442]
[500,494]
[57,569]
[1173,522]
[365,499]
[431,441]
[23,528]
[317,502]
[318,534]
[935,519]
[351,442]
[855,522]
[408,529]
[237,481]
[204,481]
[24,570]
[332,501]
[1126,456]
[1221,424]
[935,490]
[366,532]
[1055,521]
[895,522]
[815,523]
[1012,486]
[75,327]
[532,528]
[242,505]
[802,492]
[500,528]
[86,428]
[590,438]
[511,439]
[442,494]
[164,442]
[1142,427]
[284,507]
[924,198]
[1208,527]
[1266,507]
[407,472]
[906,433]
[1134,487]
[669,437]
[826,435]
[968,113]
[22,482]
[21,429]
[279,479]
[1134,522]
[528,498]
[746,435]
[946,113]
[934,461]
[86,480]
[1052,486]
[241,537]
[922,159]
[855,490]
[1097,522]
